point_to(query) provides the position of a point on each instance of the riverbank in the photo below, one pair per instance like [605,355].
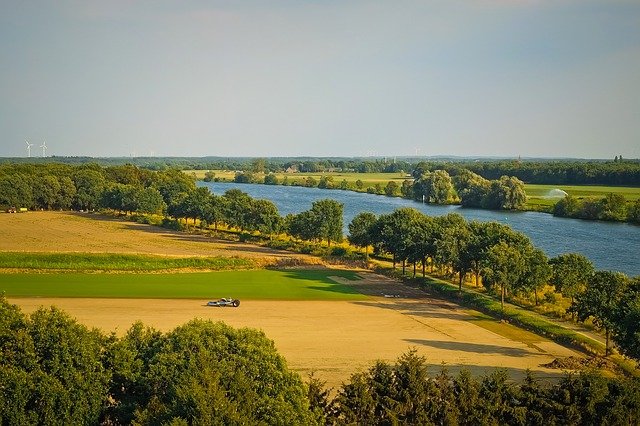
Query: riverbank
[540,198]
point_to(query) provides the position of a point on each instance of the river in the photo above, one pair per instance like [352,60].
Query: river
[610,246]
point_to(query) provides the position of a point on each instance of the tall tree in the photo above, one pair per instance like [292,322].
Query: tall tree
[570,273]
[601,301]
[89,186]
[328,218]
[504,266]
[361,231]
[626,327]
[537,272]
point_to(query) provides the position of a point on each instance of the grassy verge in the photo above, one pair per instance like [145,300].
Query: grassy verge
[257,284]
[116,262]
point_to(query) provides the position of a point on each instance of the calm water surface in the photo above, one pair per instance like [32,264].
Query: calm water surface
[610,246]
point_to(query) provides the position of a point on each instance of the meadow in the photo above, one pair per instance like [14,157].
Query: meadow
[117,262]
[264,284]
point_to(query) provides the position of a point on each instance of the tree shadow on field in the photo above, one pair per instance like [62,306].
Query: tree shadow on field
[322,276]
[425,309]
[471,347]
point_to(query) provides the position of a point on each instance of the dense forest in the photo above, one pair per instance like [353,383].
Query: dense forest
[57,371]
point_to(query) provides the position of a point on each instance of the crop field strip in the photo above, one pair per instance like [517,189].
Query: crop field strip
[117,262]
[295,284]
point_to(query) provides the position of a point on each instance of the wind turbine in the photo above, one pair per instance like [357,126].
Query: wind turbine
[29,145]
[44,148]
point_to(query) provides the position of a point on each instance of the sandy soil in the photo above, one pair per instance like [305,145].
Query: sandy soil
[80,232]
[335,339]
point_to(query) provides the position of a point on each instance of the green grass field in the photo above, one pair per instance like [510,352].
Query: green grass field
[116,262]
[538,195]
[630,193]
[249,284]
[369,179]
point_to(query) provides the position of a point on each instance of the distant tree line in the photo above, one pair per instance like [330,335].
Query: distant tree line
[54,370]
[616,172]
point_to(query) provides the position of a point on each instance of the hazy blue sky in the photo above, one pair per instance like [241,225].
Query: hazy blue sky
[321,78]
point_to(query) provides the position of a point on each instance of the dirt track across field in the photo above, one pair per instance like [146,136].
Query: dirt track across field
[334,339]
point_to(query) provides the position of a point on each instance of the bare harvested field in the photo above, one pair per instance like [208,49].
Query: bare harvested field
[46,231]
[338,338]
[333,338]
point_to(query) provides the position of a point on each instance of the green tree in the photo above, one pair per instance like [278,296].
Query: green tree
[173,184]
[537,272]
[67,193]
[237,204]
[507,193]
[471,188]
[271,179]
[407,189]
[263,216]
[452,247]
[361,231]
[258,165]
[503,267]
[393,233]
[391,189]
[244,177]
[567,207]
[614,207]
[626,327]
[149,200]
[45,191]
[209,373]
[52,369]
[328,220]
[301,225]
[633,214]
[326,182]
[15,191]
[435,187]
[89,186]
[215,210]
[570,273]
[600,301]
[310,182]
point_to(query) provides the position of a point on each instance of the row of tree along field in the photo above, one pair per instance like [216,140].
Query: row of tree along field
[498,257]
[505,261]
[56,371]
